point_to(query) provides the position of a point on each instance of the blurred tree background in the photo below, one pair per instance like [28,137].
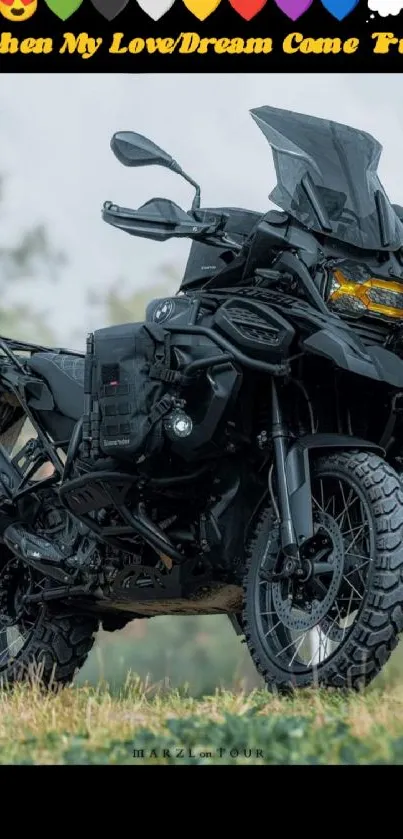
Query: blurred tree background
[30,257]
[199,653]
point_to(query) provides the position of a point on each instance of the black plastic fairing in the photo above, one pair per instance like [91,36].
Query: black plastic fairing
[373,362]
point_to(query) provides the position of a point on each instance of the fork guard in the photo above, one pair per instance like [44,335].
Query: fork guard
[298,474]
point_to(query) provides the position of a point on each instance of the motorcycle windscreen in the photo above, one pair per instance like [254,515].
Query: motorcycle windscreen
[327,179]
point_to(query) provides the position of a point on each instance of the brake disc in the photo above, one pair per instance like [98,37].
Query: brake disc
[293,617]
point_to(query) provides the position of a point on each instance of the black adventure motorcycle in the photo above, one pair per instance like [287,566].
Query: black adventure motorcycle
[238,451]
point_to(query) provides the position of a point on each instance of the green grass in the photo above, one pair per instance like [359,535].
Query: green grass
[86,725]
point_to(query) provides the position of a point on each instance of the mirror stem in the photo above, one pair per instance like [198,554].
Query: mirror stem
[196,200]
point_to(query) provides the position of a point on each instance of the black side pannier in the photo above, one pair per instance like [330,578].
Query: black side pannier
[129,389]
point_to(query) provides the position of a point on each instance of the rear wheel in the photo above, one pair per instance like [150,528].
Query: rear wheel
[339,624]
[36,645]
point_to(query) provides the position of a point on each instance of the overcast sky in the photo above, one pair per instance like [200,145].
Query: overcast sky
[55,132]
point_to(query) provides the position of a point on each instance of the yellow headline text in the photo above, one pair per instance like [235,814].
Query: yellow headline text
[187,43]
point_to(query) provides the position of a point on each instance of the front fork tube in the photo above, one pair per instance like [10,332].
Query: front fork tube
[293,486]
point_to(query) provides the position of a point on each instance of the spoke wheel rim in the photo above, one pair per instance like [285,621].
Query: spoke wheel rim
[302,652]
[16,624]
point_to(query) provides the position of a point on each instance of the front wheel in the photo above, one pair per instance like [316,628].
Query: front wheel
[338,624]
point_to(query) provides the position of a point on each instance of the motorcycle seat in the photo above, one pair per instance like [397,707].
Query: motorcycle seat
[65,376]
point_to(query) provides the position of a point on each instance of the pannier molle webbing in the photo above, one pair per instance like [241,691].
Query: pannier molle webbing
[129,388]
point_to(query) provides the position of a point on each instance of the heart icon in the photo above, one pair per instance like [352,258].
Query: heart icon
[248,8]
[155,9]
[294,8]
[63,8]
[109,8]
[340,8]
[202,8]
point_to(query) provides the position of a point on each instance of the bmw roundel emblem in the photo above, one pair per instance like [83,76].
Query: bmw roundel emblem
[163,311]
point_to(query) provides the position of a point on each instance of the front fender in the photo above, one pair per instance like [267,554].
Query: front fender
[346,351]
[298,474]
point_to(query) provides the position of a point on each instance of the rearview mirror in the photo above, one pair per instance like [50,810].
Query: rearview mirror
[133,149]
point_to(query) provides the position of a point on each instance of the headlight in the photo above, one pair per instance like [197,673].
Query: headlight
[380,297]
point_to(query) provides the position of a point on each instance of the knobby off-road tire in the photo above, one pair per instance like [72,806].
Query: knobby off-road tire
[55,650]
[368,643]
